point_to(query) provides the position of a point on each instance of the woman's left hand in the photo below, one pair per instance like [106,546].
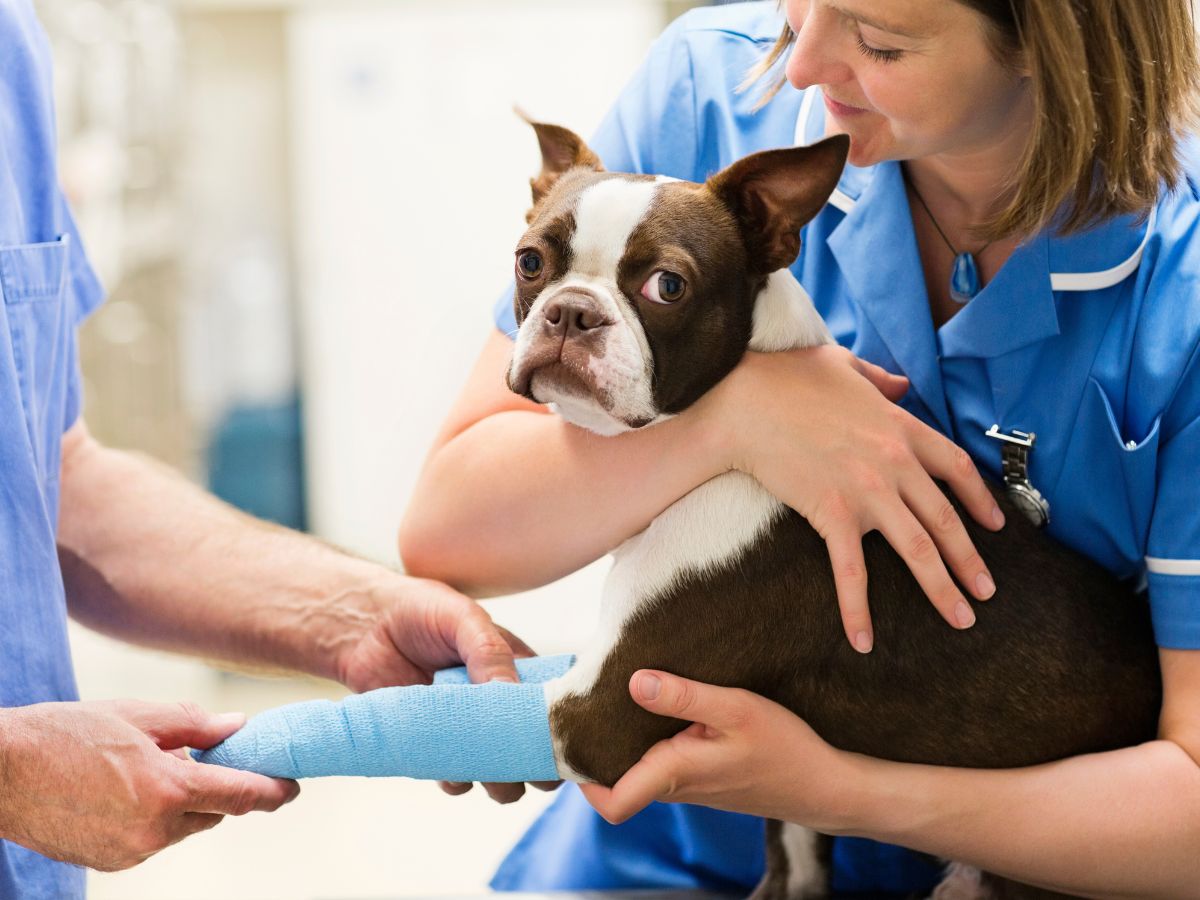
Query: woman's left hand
[743,753]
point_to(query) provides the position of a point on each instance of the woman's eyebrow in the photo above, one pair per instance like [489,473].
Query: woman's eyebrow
[875,23]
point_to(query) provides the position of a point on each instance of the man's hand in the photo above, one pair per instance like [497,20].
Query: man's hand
[107,785]
[425,626]
[422,626]
[743,753]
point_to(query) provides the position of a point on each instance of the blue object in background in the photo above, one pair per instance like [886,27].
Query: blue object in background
[256,462]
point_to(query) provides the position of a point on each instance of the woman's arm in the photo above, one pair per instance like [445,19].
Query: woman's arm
[1124,824]
[512,498]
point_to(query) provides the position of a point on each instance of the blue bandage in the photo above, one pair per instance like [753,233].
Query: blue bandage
[451,731]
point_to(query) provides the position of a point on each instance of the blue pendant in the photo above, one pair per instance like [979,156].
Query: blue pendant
[964,280]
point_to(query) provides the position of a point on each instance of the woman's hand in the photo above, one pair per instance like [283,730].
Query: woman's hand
[743,753]
[818,428]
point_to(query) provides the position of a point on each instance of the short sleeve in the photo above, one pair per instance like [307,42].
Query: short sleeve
[86,294]
[1173,552]
[651,128]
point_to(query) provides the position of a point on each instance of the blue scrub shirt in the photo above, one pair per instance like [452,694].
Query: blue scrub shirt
[1090,341]
[47,287]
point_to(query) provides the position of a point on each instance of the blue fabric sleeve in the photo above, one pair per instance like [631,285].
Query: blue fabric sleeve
[451,730]
[86,293]
[1173,554]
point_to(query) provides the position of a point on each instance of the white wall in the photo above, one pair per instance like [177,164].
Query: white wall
[410,178]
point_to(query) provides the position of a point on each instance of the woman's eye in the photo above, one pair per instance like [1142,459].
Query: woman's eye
[663,287]
[878,52]
[529,264]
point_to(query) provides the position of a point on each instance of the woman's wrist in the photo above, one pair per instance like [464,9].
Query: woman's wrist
[719,419]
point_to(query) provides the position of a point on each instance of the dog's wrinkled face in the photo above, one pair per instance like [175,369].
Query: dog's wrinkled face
[635,294]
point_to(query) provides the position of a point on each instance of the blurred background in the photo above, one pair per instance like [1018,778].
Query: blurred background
[303,211]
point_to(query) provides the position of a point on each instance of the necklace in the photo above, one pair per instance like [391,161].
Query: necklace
[964,277]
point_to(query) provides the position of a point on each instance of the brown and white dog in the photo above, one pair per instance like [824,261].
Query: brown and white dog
[637,294]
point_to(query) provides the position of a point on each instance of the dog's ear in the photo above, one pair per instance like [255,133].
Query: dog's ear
[562,150]
[774,193]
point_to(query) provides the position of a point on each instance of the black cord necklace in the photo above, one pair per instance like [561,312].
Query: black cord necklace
[964,277]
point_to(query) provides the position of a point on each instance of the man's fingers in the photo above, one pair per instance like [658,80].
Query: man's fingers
[546,785]
[484,649]
[520,649]
[215,789]
[505,792]
[455,788]
[176,725]
[935,511]
[850,578]
[193,823]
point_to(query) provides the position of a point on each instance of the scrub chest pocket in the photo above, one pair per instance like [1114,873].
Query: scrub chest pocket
[1112,505]
[36,346]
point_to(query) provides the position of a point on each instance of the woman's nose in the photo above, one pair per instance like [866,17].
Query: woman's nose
[814,57]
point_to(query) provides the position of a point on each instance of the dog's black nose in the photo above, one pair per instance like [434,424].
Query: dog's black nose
[572,314]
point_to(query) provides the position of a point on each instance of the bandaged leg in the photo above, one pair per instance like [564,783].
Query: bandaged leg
[451,730]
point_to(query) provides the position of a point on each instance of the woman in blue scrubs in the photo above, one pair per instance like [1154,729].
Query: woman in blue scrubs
[1014,235]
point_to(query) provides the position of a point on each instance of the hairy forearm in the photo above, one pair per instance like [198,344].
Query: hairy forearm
[1124,824]
[149,558]
[520,498]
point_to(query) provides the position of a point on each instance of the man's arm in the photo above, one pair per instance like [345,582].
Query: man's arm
[151,559]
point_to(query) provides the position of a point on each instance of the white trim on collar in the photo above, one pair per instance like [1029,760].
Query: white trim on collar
[1095,281]
[838,199]
[1173,566]
[1059,281]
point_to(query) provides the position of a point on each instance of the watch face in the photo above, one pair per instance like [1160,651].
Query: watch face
[1030,502]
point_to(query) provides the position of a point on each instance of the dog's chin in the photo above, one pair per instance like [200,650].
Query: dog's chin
[574,399]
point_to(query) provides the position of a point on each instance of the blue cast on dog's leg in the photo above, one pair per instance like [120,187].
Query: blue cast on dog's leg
[451,730]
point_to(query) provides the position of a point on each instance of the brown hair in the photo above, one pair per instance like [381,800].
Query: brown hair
[1114,90]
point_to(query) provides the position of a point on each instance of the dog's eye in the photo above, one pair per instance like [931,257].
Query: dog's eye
[663,287]
[529,264]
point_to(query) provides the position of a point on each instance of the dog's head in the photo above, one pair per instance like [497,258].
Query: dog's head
[635,294]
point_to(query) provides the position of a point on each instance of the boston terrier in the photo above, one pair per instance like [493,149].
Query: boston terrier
[635,295]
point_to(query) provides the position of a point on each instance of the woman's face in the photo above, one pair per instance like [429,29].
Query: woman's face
[908,79]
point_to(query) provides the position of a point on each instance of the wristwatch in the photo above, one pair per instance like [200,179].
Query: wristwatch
[1014,458]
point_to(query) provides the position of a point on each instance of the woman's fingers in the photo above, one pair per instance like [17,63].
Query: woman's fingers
[648,780]
[944,459]
[937,514]
[850,578]
[891,386]
[919,552]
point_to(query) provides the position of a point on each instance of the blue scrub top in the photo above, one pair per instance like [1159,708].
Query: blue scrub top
[47,287]
[1091,341]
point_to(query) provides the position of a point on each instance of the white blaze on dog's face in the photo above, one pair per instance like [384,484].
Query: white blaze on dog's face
[635,294]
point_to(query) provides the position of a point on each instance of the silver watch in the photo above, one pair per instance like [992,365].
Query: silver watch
[1015,449]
